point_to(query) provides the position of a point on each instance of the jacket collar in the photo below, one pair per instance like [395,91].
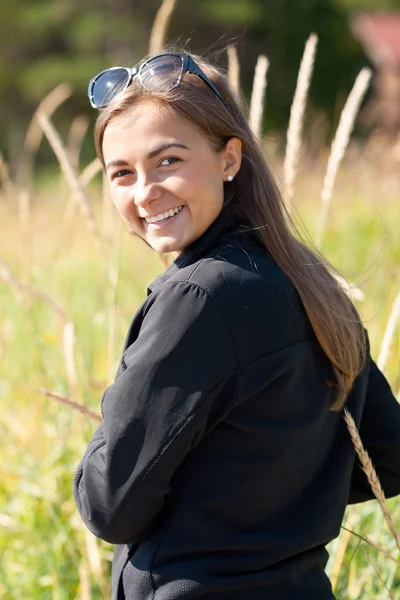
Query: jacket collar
[227,222]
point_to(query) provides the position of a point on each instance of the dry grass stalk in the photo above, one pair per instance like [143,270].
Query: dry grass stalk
[112,326]
[339,146]
[258,95]
[108,210]
[113,277]
[160,26]
[32,141]
[113,274]
[339,556]
[24,233]
[377,572]
[84,410]
[7,277]
[5,181]
[94,559]
[370,472]
[76,134]
[365,538]
[48,105]
[88,173]
[34,133]
[71,176]
[233,69]
[393,320]
[69,356]
[353,292]
[84,583]
[164,259]
[380,549]
[297,114]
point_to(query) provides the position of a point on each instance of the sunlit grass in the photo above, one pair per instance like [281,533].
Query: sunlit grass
[46,551]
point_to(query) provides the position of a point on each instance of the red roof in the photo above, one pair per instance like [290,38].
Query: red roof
[380,35]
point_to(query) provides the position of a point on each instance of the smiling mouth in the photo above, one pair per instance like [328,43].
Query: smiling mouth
[164,218]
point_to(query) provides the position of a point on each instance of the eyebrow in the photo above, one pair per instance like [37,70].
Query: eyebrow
[122,163]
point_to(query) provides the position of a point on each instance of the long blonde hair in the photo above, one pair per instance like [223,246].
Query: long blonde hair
[333,317]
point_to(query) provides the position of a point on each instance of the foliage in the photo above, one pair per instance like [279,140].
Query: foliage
[45,43]
[46,551]
[370,5]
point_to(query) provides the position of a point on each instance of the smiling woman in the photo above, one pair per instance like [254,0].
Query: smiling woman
[223,466]
[168,166]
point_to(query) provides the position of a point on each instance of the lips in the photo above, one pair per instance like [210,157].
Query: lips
[164,215]
[164,221]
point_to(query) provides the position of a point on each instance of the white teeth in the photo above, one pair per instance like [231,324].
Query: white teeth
[170,213]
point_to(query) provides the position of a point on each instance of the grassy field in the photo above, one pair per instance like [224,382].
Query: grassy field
[45,550]
[65,306]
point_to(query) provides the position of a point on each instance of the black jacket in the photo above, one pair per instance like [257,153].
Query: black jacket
[218,470]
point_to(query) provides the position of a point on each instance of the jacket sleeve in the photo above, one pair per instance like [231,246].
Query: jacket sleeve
[177,382]
[380,434]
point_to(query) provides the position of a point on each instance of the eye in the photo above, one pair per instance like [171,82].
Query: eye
[120,174]
[171,159]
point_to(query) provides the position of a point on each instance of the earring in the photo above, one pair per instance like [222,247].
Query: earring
[229,177]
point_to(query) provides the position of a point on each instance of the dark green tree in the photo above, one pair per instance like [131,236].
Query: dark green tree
[46,42]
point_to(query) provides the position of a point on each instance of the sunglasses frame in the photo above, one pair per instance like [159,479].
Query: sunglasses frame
[187,65]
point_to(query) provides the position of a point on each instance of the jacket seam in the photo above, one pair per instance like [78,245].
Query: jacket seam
[271,354]
[141,481]
[237,368]
[78,478]
[193,284]
[238,388]
[189,418]
[182,427]
[102,400]
[239,365]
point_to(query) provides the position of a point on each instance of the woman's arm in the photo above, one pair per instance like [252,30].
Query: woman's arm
[380,434]
[178,380]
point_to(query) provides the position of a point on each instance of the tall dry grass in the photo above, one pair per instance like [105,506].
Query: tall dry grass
[258,95]
[233,68]
[160,26]
[91,556]
[294,133]
[339,146]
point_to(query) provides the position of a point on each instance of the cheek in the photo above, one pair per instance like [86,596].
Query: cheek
[183,185]
[196,183]
[119,198]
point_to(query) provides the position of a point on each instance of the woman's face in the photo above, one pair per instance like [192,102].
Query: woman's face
[166,180]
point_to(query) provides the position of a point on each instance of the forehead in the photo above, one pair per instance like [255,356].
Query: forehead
[146,125]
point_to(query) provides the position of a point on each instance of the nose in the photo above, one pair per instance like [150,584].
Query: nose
[145,191]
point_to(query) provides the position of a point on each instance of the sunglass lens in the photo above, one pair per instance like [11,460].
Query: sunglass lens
[161,73]
[108,85]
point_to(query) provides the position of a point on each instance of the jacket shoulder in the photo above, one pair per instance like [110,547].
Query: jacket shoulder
[234,265]
[256,298]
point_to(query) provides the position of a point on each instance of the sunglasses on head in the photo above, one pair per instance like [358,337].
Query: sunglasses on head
[158,74]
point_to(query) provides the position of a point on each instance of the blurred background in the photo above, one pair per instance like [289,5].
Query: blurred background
[71,277]
[45,43]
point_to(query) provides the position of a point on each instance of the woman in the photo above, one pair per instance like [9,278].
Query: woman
[223,465]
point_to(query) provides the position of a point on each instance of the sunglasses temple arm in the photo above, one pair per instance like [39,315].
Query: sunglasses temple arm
[195,69]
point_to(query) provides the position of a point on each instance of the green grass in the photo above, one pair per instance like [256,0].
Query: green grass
[46,551]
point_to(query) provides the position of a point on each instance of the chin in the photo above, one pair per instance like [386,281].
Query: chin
[167,246]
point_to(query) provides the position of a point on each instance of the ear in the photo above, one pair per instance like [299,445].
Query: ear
[231,156]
